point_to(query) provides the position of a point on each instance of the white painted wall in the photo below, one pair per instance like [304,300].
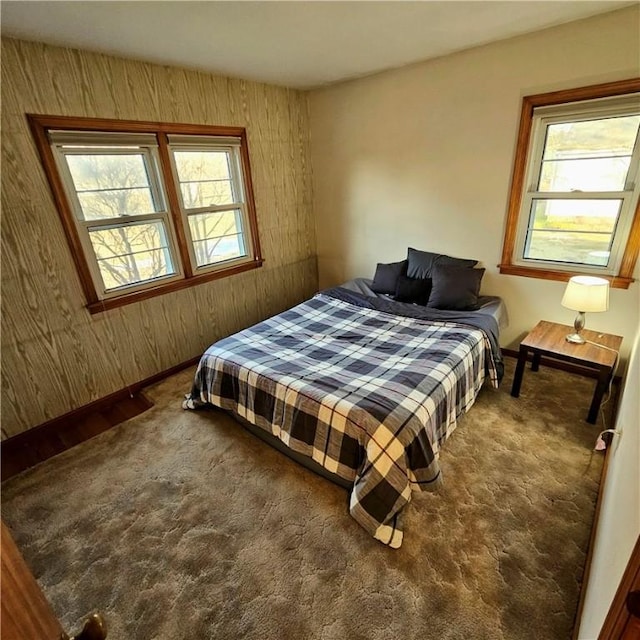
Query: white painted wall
[619,524]
[422,156]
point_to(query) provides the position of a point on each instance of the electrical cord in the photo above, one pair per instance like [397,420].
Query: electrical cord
[603,346]
[599,440]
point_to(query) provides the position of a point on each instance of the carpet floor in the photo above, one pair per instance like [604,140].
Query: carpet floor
[180,524]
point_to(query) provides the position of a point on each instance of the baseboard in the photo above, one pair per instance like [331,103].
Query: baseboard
[592,538]
[26,449]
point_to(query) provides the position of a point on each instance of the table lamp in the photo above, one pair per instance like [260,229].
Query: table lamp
[584,293]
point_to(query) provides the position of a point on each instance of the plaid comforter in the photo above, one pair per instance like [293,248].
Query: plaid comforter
[368,395]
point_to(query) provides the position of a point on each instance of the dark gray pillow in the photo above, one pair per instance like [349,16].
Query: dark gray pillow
[455,287]
[386,276]
[416,290]
[420,264]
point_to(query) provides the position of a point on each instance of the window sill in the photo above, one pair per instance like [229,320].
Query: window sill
[176,285]
[617,282]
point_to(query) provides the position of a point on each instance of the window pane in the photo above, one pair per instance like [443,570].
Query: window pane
[576,231]
[217,237]
[592,138]
[576,248]
[131,254]
[97,205]
[592,155]
[206,193]
[601,174]
[575,215]
[109,186]
[205,178]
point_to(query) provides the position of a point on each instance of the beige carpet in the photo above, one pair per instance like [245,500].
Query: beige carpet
[182,525]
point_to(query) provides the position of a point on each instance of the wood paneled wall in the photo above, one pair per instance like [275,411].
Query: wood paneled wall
[55,355]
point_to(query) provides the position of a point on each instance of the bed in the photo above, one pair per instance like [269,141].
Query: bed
[361,387]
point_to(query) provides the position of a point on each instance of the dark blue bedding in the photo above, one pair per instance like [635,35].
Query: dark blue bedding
[484,321]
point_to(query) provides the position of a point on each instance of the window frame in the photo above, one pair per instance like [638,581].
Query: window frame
[174,218]
[86,226]
[525,155]
[189,144]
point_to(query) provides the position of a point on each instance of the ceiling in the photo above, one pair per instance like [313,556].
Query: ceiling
[294,44]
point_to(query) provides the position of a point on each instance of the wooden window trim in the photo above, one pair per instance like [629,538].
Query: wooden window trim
[174,205]
[624,277]
[41,124]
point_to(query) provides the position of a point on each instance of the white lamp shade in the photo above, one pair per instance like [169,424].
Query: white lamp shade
[586,293]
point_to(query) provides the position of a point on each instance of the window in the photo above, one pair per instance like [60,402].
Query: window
[576,181]
[211,199]
[149,208]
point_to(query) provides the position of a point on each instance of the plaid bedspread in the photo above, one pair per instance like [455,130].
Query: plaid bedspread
[368,395]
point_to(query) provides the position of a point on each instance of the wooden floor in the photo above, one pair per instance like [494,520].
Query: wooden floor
[39,444]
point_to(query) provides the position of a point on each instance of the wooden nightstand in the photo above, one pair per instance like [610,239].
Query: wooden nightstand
[548,339]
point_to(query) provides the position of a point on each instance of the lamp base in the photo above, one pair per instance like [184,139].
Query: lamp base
[578,326]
